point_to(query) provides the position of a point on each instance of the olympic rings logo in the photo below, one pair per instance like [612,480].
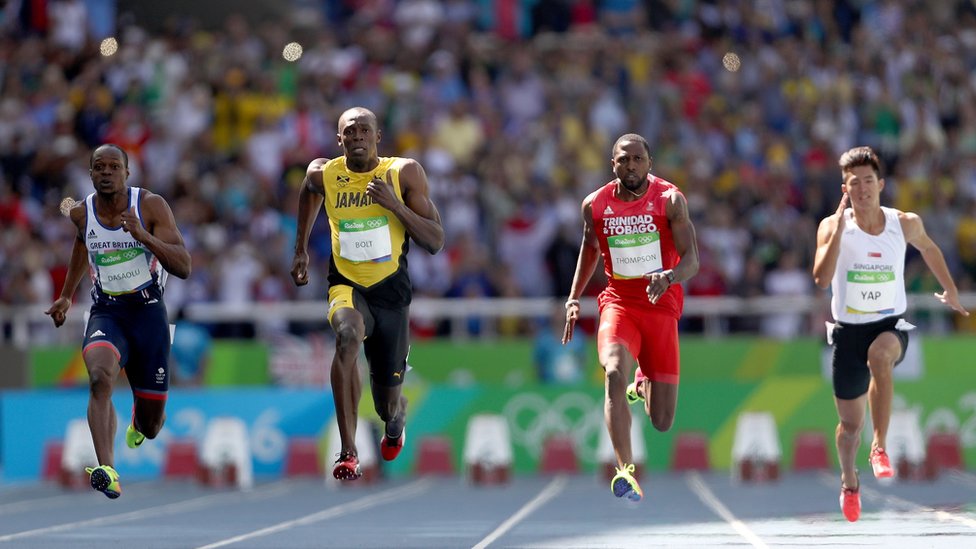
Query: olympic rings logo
[645,240]
[531,419]
[374,223]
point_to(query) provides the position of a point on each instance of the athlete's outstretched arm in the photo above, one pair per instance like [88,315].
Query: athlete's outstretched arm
[309,203]
[915,234]
[417,212]
[161,235]
[586,263]
[76,267]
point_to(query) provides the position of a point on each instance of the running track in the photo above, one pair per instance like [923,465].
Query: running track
[679,510]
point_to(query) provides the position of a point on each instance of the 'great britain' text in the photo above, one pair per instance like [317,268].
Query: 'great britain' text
[112,245]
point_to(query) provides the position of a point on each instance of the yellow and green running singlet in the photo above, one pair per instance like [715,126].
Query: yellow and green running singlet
[367,239]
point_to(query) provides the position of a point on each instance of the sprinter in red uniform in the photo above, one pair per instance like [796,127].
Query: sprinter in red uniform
[639,224]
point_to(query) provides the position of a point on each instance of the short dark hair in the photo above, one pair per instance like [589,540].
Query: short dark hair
[860,156]
[633,137]
[125,157]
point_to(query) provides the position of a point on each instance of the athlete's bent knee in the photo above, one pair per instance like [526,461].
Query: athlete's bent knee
[386,410]
[613,360]
[880,363]
[614,374]
[662,421]
[151,428]
[883,353]
[100,381]
[347,334]
[849,428]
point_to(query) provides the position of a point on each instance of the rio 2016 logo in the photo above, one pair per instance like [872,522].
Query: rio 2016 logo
[945,419]
[532,419]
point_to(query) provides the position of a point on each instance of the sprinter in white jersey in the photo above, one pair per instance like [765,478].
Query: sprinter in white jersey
[128,240]
[861,257]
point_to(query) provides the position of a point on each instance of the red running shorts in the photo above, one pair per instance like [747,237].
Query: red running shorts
[650,336]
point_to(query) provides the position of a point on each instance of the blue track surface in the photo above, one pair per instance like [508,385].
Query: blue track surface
[689,510]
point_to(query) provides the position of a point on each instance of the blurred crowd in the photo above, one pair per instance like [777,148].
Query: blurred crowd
[512,107]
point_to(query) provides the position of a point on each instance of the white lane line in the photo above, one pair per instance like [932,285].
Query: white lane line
[37,503]
[943,516]
[56,501]
[550,491]
[414,488]
[708,498]
[946,516]
[962,477]
[152,512]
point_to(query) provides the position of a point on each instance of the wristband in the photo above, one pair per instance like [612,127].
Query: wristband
[570,302]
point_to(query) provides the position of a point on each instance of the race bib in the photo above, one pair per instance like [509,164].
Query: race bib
[366,239]
[122,271]
[871,292]
[633,255]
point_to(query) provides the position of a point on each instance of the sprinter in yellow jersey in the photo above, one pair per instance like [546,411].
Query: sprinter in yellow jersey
[374,204]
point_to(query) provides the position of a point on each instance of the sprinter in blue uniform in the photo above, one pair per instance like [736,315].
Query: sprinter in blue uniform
[128,240]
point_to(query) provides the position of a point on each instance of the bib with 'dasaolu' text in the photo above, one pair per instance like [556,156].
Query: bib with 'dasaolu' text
[871,292]
[366,239]
[122,271]
[634,255]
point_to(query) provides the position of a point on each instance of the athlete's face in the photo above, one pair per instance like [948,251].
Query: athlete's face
[108,170]
[863,186]
[358,137]
[631,164]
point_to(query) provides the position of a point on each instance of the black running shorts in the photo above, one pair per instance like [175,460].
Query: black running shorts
[851,375]
[387,334]
[139,336]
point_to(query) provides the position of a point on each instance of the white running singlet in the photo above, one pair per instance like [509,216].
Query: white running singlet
[869,282]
